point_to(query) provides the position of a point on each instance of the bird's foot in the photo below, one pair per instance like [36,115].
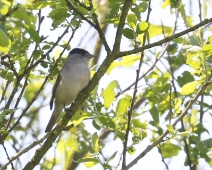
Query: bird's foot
[68,112]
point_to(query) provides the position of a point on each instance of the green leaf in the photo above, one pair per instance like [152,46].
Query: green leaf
[142,6]
[109,93]
[82,10]
[96,125]
[4,7]
[170,128]
[210,39]
[189,88]
[132,19]
[95,141]
[22,14]
[131,150]
[142,27]
[208,142]
[37,54]
[123,105]
[183,134]
[169,150]
[88,159]
[155,30]
[79,116]
[185,78]
[128,33]
[42,4]
[3,132]
[5,42]
[107,122]
[138,124]
[194,57]
[33,34]
[8,111]
[177,105]
[207,48]
[112,156]
[114,21]
[4,38]
[155,115]
[165,4]
[58,16]
[125,61]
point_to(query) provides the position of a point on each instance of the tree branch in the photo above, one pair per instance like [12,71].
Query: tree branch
[95,25]
[165,40]
[125,9]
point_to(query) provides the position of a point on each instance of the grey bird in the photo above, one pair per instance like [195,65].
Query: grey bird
[71,80]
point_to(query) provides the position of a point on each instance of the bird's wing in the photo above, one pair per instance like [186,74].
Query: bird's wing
[54,89]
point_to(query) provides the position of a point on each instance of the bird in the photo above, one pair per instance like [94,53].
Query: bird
[71,80]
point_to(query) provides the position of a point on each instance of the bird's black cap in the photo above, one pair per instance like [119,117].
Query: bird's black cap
[79,51]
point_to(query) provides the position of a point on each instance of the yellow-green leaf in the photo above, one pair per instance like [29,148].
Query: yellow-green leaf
[170,128]
[79,116]
[8,111]
[109,93]
[42,4]
[126,61]
[177,105]
[5,42]
[155,30]
[132,19]
[138,124]
[123,105]
[142,27]
[165,4]
[189,88]
[95,141]
[88,159]
[128,33]
[169,150]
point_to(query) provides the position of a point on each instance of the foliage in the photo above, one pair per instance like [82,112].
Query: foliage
[156,92]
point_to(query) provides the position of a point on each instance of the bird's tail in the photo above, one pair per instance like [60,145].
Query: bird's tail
[54,117]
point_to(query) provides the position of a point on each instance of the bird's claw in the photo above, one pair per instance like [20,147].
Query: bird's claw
[68,112]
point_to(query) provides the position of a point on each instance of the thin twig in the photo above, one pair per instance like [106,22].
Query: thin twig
[47,53]
[5,149]
[18,99]
[200,10]
[163,160]
[95,25]
[153,65]
[133,97]
[24,151]
[5,89]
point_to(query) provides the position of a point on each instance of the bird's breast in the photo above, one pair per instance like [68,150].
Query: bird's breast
[73,80]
